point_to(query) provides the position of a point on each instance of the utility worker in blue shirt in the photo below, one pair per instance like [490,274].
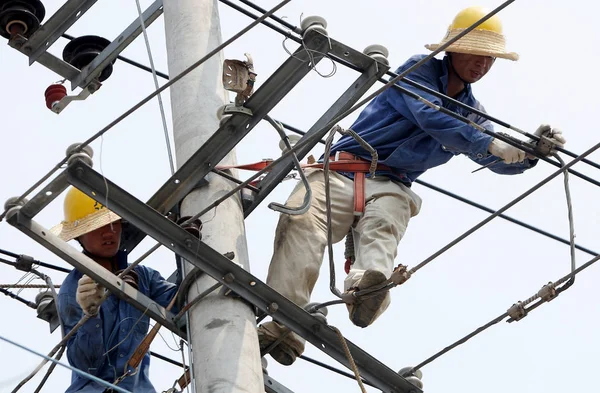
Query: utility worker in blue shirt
[410,137]
[105,343]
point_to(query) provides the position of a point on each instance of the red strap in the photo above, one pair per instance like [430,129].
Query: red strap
[347,265]
[359,193]
[341,165]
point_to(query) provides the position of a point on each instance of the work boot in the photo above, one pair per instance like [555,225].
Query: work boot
[364,311]
[287,350]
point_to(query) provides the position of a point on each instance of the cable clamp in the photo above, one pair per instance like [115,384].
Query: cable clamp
[517,311]
[400,275]
[548,292]
[24,263]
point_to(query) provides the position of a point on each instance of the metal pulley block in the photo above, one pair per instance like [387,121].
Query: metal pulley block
[194,228]
[130,278]
[13,205]
[81,51]
[317,23]
[517,311]
[46,309]
[85,154]
[415,377]
[239,77]
[20,17]
[319,313]
[378,52]
[548,292]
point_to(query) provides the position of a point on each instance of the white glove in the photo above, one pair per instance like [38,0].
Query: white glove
[554,134]
[508,153]
[89,295]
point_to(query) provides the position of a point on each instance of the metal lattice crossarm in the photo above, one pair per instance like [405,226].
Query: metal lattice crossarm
[231,275]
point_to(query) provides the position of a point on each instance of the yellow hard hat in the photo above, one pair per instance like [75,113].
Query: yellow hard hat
[487,39]
[82,215]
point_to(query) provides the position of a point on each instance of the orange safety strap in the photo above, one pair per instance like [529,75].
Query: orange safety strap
[358,167]
[341,165]
[359,193]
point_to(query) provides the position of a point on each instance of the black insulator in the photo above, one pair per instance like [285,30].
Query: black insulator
[20,17]
[82,50]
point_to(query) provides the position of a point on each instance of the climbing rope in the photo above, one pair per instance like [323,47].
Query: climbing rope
[27,286]
[350,358]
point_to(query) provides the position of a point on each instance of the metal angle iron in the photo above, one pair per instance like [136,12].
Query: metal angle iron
[233,276]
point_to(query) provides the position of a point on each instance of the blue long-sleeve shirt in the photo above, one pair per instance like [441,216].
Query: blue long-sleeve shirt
[410,137]
[103,345]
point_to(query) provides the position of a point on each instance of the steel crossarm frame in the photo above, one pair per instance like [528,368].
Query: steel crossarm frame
[112,51]
[90,267]
[37,45]
[229,134]
[233,276]
[58,23]
[371,72]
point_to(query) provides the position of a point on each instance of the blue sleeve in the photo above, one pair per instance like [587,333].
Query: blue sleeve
[161,290]
[451,133]
[500,167]
[85,349]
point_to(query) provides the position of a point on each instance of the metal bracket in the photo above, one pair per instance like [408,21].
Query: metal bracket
[110,53]
[272,386]
[62,104]
[87,266]
[233,276]
[50,31]
[229,134]
[371,72]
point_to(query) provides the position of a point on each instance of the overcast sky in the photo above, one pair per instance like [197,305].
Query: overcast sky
[553,350]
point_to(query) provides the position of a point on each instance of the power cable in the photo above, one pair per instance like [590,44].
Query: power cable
[18,298]
[75,370]
[505,207]
[501,317]
[35,261]
[156,86]
[126,60]
[407,81]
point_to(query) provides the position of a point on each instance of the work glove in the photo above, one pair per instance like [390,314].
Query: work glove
[509,154]
[89,295]
[550,138]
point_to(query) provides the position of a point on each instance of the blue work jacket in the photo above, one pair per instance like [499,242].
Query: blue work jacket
[103,345]
[411,137]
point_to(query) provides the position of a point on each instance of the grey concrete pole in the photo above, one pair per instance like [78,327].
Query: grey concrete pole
[226,357]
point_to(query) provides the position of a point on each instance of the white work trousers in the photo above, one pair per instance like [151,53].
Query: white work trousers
[300,240]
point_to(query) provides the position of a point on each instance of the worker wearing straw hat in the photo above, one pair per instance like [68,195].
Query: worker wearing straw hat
[103,345]
[410,138]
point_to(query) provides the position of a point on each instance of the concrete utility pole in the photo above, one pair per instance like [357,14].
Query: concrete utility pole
[226,357]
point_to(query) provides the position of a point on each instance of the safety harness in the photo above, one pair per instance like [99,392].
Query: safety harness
[343,162]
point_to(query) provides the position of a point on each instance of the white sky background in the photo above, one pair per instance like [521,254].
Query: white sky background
[552,350]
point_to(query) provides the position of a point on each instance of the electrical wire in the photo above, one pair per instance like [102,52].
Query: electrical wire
[156,86]
[75,370]
[403,79]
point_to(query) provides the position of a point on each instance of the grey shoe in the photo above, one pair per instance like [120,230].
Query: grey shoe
[365,311]
[283,353]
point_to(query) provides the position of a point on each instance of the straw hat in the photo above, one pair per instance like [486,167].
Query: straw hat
[485,40]
[82,215]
